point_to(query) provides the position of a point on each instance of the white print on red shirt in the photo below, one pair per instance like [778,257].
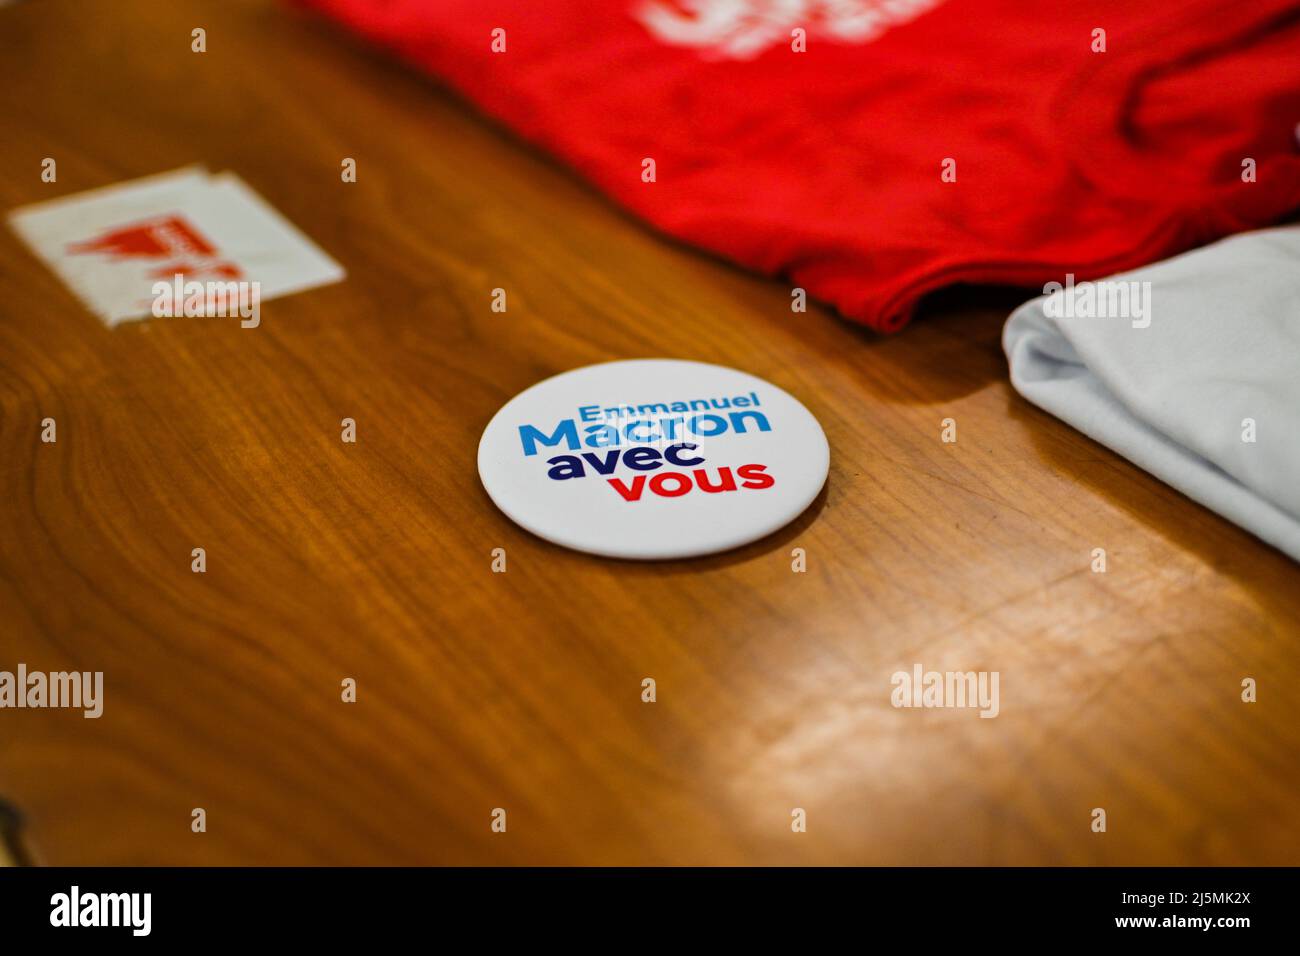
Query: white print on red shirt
[742,29]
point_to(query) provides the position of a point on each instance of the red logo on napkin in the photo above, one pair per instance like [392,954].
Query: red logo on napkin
[163,237]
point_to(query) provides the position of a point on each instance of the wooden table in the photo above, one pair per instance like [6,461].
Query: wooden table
[478,690]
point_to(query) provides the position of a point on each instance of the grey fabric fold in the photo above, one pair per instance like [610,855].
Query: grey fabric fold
[1189,368]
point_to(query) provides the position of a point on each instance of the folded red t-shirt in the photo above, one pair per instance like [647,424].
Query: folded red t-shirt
[911,144]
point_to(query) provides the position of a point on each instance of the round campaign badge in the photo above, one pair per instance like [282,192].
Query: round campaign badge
[653,458]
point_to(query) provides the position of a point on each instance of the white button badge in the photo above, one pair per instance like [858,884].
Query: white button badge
[653,458]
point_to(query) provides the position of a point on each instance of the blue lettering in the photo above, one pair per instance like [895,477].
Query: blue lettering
[565,431]
[718,420]
[738,421]
[631,426]
[674,454]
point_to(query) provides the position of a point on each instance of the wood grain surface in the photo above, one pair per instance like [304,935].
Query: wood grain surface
[522,690]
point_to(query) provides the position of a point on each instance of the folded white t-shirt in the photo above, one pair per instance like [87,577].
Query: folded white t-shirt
[1196,379]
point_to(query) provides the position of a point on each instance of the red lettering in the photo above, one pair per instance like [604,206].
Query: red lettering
[658,481]
[674,484]
[728,481]
[629,494]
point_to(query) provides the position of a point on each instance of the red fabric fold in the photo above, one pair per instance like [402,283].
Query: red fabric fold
[825,166]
